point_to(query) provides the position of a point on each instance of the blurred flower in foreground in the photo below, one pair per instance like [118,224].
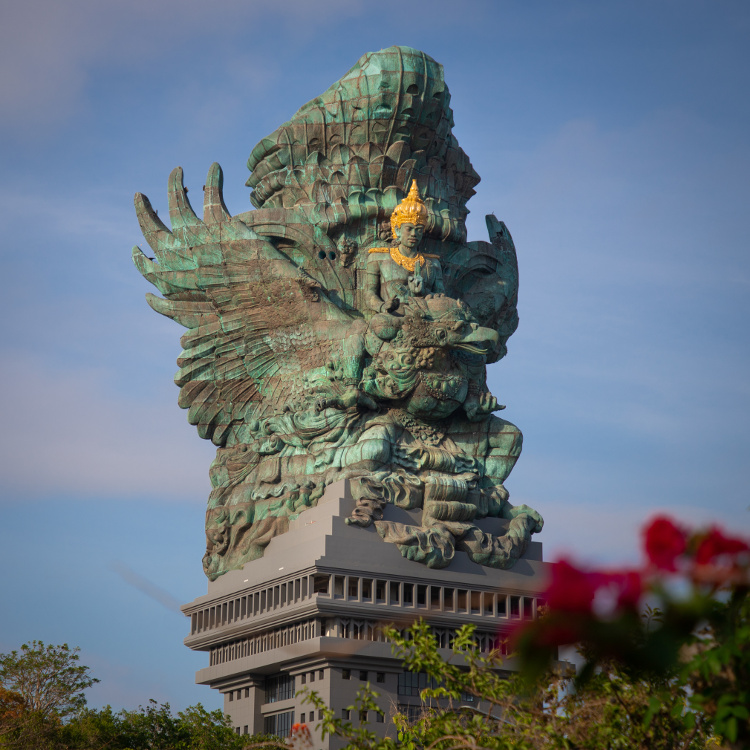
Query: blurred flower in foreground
[300,737]
[683,617]
[663,543]
[714,544]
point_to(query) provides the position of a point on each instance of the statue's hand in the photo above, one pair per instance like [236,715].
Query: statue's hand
[440,459]
[392,305]
[418,455]
[416,285]
[535,521]
[479,405]
[349,398]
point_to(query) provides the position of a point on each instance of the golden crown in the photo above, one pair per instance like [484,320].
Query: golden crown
[411,210]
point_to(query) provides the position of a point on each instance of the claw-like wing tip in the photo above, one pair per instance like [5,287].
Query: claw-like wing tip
[214,209]
[176,178]
[142,261]
[155,303]
[215,173]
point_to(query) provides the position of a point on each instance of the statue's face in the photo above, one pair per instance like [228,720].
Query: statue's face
[409,235]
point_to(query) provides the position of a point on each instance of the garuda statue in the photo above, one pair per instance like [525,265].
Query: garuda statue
[341,330]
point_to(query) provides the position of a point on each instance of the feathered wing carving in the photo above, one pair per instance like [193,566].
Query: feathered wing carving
[256,321]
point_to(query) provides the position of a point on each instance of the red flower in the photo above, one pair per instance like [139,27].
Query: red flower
[715,544]
[629,587]
[552,633]
[664,543]
[570,589]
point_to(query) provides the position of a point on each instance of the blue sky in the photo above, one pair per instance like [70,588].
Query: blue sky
[612,138]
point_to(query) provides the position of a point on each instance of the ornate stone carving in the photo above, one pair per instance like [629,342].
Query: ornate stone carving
[314,354]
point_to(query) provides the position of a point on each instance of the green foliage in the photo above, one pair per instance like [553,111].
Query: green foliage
[718,668]
[616,708]
[40,686]
[48,678]
[155,727]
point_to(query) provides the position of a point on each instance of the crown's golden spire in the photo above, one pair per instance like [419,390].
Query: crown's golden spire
[411,210]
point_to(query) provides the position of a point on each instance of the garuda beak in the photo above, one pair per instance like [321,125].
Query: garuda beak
[478,341]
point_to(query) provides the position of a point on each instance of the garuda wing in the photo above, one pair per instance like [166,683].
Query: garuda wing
[260,328]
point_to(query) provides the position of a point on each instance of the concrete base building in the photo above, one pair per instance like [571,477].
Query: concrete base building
[310,614]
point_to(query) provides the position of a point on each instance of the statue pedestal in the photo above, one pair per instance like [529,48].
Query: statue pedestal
[309,615]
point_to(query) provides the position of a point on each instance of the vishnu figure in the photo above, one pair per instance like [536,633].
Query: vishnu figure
[396,273]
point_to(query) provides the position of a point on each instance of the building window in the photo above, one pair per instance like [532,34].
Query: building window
[320,714]
[231,695]
[312,676]
[476,602]
[379,717]
[367,588]
[467,697]
[279,687]
[236,730]
[394,593]
[411,712]
[346,674]
[247,692]
[409,593]
[488,603]
[244,729]
[380,677]
[321,673]
[363,717]
[435,597]
[363,675]
[448,598]
[345,714]
[320,584]
[380,591]
[303,678]
[302,718]
[528,608]
[412,683]
[279,724]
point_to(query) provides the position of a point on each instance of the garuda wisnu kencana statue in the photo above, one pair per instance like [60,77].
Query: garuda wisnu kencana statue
[342,329]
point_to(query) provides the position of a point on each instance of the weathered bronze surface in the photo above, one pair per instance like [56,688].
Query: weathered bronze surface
[342,329]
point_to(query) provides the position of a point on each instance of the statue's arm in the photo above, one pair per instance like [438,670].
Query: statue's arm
[373,284]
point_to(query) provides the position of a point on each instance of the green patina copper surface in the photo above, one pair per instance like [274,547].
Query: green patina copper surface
[323,343]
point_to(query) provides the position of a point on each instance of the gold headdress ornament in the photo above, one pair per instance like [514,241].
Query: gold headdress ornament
[411,210]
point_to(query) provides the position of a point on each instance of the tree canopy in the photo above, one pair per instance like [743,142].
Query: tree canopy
[48,678]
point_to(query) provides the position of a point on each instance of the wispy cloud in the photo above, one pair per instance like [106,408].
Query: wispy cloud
[49,51]
[609,533]
[72,434]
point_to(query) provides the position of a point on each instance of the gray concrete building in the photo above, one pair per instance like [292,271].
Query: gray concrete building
[309,615]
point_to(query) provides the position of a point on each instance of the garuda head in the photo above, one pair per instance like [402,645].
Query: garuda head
[426,359]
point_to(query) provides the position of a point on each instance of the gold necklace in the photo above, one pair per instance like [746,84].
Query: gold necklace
[404,261]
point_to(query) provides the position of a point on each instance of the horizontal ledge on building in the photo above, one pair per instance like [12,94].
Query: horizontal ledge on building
[324,647]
